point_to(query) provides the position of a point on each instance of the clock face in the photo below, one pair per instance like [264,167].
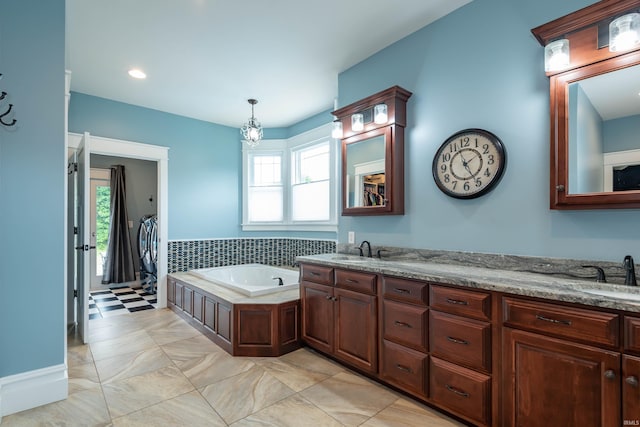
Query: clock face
[469,163]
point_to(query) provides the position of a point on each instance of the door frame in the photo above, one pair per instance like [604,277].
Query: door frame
[159,154]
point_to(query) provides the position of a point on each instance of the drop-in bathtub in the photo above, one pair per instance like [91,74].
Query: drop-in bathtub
[251,279]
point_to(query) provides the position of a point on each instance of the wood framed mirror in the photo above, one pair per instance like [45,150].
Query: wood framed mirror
[594,113]
[373,156]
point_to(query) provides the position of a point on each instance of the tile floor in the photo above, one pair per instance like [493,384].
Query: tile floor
[116,301]
[150,368]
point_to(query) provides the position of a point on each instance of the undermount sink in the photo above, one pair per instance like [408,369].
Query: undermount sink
[613,294]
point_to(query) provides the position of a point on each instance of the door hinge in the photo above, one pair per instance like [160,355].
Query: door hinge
[71,168]
[75,230]
[75,293]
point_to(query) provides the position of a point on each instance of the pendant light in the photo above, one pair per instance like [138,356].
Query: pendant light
[252,130]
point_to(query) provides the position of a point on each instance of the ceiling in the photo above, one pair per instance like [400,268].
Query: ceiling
[205,58]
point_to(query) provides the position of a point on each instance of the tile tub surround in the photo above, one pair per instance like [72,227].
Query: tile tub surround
[512,275]
[192,254]
[176,376]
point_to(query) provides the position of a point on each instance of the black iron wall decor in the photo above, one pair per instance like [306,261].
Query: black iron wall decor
[5,111]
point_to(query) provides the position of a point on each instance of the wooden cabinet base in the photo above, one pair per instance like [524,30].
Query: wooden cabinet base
[258,330]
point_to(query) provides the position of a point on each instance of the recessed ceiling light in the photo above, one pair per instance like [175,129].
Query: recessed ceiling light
[137,74]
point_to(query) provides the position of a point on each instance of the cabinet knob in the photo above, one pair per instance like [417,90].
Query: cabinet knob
[610,374]
[632,381]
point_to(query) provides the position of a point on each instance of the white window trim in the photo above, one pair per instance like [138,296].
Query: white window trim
[285,147]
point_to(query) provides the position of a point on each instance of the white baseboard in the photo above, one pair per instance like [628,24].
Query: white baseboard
[34,388]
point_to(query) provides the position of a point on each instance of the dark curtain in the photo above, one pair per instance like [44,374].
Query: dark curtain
[119,266]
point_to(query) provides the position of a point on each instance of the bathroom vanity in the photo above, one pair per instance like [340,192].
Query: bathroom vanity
[492,347]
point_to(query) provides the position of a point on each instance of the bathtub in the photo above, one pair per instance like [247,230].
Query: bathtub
[250,279]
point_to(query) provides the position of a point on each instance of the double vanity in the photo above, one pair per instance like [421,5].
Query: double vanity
[491,346]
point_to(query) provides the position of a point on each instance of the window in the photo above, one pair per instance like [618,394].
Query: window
[291,184]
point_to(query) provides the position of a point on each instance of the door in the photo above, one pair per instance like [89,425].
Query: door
[100,215]
[548,381]
[317,320]
[356,332]
[83,268]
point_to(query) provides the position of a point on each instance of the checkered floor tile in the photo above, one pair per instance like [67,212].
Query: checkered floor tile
[112,302]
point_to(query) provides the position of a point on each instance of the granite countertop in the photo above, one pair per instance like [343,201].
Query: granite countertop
[517,282]
[234,297]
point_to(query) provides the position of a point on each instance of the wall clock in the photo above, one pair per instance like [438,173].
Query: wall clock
[469,163]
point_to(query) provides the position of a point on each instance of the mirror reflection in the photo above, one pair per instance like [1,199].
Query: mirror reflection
[604,132]
[365,172]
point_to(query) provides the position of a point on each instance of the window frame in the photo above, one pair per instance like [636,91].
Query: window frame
[286,148]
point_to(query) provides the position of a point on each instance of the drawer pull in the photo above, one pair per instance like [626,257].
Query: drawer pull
[401,291]
[457,301]
[632,381]
[313,273]
[403,324]
[403,368]
[548,319]
[352,281]
[457,341]
[610,374]
[456,391]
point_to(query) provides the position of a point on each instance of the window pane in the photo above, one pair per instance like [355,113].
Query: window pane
[267,170]
[103,218]
[313,164]
[311,201]
[265,204]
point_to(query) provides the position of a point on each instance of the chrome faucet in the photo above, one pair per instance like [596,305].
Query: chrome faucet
[630,276]
[368,248]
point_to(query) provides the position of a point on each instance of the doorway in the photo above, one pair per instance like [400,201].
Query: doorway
[126,150]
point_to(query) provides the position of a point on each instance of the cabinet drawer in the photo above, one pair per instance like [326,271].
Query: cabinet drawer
[317,274]
[406,324]
[406,290]
[460,340]
[460,390]
[460,301]
[357,281]
[632,333]
[404,367]
[576,323]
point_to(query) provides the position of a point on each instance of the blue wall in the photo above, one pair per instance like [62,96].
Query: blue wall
[481,67]
[586,161]
[621,134]
[32,183]
[205,163]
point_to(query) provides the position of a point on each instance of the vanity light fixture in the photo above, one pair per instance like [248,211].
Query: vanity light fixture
[137,73]
[624,32]
[556,55]
[252,130]
[380,115]
[357,122]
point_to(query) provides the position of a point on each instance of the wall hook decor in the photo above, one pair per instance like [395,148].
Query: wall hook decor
[4,121]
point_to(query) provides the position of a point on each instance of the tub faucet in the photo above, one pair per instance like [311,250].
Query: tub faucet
[630,276]
[279,279]
[368,248]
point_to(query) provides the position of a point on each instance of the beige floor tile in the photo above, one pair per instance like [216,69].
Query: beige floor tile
[213,367]
[349,398]
[83,409]
[294,411]
[82,377]
[79,355]
[174,330]
[190,348]
[404,413]
[188,410]
[131,364]
[123,344]
[135,393]
[300,369]
[245,393]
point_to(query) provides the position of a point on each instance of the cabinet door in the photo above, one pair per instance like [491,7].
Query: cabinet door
[171,291]
[178,294]
[356,329]
[548,381]
[630,391]
[317,320]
